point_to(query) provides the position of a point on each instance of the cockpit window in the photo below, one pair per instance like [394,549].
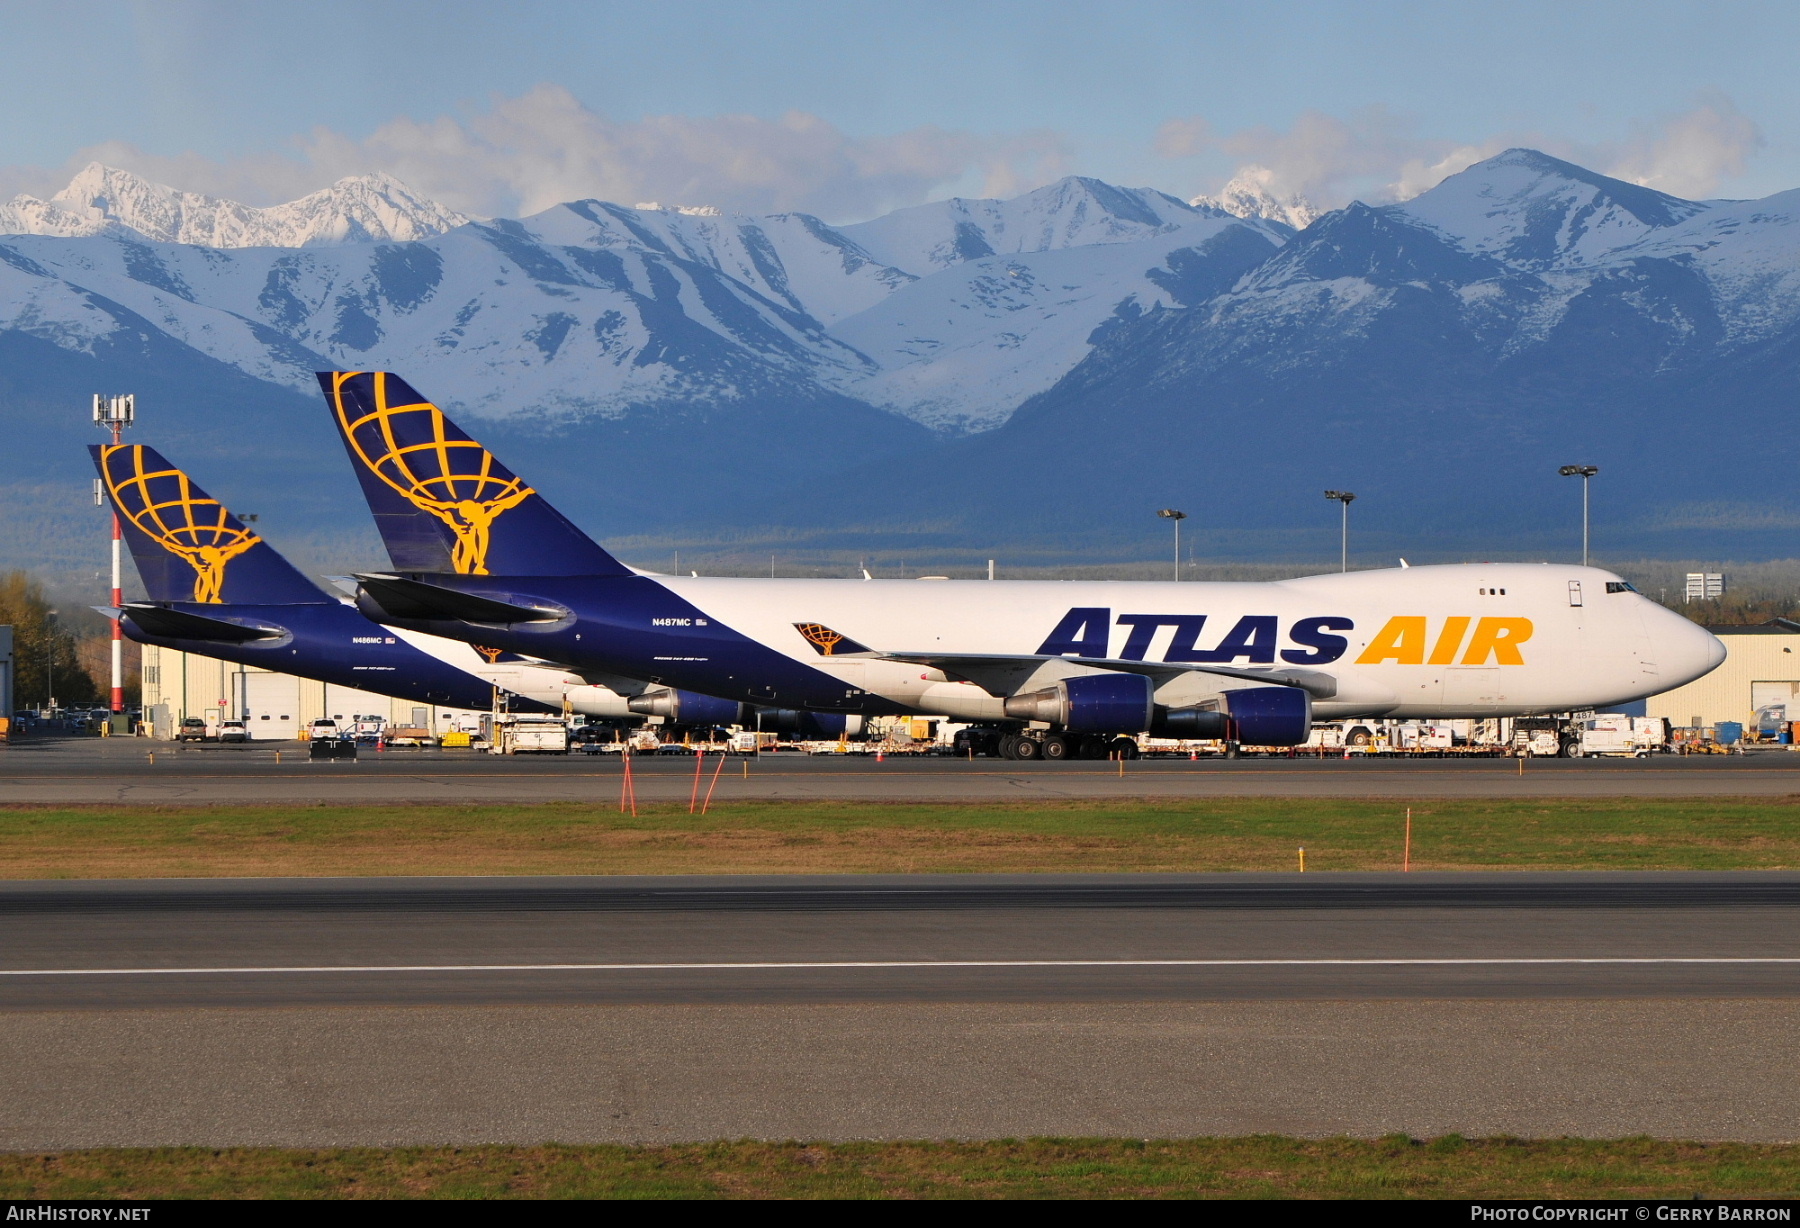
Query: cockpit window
[1619,586]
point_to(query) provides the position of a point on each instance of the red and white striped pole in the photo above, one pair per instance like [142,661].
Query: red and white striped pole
[115,414]
[118,601]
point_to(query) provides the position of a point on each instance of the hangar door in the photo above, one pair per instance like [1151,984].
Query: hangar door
[273,702]
[1767,695]
[344,703]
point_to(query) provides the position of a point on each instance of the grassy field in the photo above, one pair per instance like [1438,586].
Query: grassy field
[1253,1167]
[847,837]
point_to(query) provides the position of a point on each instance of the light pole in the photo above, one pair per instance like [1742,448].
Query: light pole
[1346,498]
[1169,513]
[115,414]
[1584,472]
[49,662]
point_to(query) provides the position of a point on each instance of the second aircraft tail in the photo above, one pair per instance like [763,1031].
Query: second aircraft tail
[442,503]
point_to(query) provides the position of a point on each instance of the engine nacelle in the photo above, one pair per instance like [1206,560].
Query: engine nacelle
[687,707]
[818,726]
[1270,715]
[1259,715]
[1096,703]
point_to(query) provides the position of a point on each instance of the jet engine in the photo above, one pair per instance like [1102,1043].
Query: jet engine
[687,708]
[1259,715]
[1095,703]
[819,726]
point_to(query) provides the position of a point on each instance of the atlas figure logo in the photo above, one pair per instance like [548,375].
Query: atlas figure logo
[162,504]
[1255,639]
[453,479]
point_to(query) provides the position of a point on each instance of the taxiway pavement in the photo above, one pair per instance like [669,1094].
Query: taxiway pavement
[136,771]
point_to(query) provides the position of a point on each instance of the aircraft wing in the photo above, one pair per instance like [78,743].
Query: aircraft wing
[1005,672]
[612,682]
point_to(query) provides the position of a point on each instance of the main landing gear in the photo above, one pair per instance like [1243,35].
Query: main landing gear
[1027,747]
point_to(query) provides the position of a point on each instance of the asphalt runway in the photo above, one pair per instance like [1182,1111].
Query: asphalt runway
[387,1011]
[895,938]
[137,771]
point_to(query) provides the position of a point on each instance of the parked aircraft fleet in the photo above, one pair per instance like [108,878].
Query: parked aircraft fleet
[492,588]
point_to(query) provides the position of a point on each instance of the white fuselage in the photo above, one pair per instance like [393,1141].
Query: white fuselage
[551,685]
[1443,641]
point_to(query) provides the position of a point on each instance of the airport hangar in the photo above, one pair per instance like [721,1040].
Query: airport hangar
[177,685]
[1761,668]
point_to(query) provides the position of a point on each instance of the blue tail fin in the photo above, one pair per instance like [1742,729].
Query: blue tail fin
[187,546]
[441,501]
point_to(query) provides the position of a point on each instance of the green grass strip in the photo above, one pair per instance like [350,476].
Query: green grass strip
[861,837]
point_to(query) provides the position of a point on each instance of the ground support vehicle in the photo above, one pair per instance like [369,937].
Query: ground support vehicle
[517,734]
[1636,737]
[409,735]
[592,739]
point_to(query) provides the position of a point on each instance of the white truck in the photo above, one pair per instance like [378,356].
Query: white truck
[519,734]
[1636,737]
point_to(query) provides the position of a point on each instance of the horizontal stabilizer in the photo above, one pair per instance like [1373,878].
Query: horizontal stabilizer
[416,601]
[167,624]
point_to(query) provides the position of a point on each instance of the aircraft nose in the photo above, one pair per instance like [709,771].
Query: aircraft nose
[1715,650]
[1684,649]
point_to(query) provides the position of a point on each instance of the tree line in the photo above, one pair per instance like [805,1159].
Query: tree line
[57,654]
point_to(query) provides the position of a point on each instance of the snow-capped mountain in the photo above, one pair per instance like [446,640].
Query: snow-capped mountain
[960,350]
[1537,212]
[1442,357]
[105,200]
[1074,351]
[1072,212]
[1009,292]
[592,307]
[1248,196]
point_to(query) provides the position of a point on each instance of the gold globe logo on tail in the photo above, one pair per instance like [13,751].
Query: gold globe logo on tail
[825,641]
[452,479]
[186,523]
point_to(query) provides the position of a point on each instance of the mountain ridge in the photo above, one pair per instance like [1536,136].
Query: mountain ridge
[1045,363]
[103,199]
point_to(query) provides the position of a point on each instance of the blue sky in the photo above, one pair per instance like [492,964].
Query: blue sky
[851,108]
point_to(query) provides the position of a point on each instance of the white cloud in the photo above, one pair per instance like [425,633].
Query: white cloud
[1689,154]
[543,147]
[1376,155]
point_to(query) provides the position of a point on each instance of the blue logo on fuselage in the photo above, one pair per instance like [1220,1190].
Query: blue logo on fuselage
[1086,631]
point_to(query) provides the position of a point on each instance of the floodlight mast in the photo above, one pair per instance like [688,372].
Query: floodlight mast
[1169,513]
[114,414]
[1584,472]
[1346,498]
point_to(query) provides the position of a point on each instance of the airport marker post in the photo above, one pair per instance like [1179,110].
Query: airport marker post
[717,768]
[115,414]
